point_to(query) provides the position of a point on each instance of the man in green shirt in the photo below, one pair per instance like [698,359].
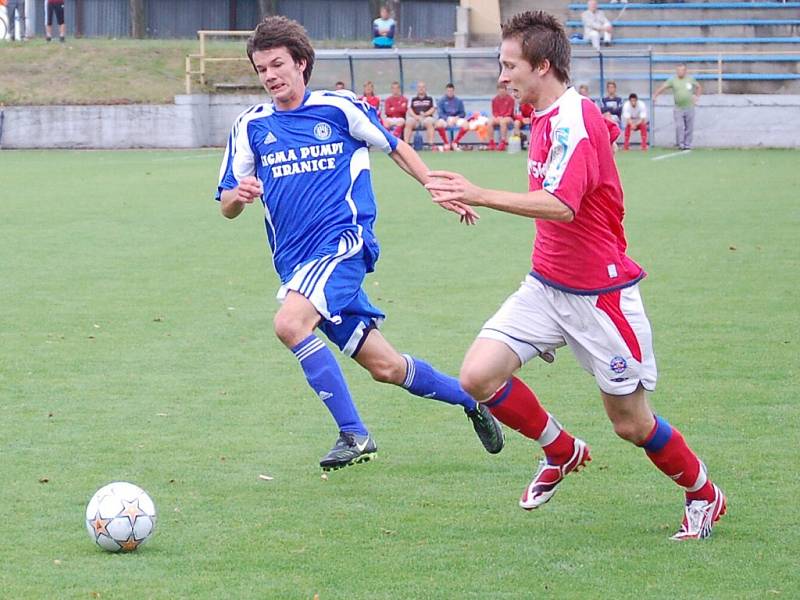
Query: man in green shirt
[686,91]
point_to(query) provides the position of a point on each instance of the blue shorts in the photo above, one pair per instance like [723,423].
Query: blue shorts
[332,283]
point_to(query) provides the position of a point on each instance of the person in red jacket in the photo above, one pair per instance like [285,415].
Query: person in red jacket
[502,116]
[395,107]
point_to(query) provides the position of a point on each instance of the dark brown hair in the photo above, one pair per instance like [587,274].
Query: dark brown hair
[542,37]
[277,32]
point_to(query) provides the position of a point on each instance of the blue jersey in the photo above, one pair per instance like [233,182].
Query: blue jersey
[313,162]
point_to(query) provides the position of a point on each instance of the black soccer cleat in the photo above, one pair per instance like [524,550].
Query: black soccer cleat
[488,429]
[349,449]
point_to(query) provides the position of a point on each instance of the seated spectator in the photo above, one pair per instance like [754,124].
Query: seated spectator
[611,105]
[595,25]
[522,120]
[395,108]
[451,116]
[339,85]
[383,30]
[420,114]
[370,98]
[502,116]
[634,116]
[583,90]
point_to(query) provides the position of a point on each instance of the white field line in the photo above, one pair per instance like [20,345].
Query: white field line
[670,155]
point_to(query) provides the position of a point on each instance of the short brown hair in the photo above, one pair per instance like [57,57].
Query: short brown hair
[542,37]
[280,32]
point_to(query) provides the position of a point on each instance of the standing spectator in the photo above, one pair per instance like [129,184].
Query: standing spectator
[634,116]
[420,114]
[339,85]
[502,116]
[611,105]
[55,8]
[686,91]
[583,90]
[395,108]
[596,24]
[370,98]
[16,10]
[383,29]
[451,115]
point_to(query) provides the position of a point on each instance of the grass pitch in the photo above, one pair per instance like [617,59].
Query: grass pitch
[136,344]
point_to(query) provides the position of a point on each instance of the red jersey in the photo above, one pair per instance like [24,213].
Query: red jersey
[503,106]
[373,101]
[525,111]
[570,156]
[395,106]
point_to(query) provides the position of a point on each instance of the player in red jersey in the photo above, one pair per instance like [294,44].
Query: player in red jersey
[370,98]
[522,120]
[395,108]
[583,289]
[502,116]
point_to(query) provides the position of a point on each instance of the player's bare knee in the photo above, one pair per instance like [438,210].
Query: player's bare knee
[477,384]
[630,431]
[387,371]
[290,329]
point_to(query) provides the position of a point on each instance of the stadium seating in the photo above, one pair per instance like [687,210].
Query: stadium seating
[743,46]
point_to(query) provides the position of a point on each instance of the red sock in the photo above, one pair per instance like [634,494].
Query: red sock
[668,450]
[461,134]
[443,134]
[516,405]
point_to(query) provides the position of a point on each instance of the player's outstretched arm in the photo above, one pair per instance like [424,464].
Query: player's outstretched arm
[453,187]
[232,202]
[408,160]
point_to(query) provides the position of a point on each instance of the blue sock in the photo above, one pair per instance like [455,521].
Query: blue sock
[425,381]
[326,379]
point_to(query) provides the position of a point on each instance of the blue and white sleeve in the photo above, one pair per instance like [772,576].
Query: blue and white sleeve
[238,161]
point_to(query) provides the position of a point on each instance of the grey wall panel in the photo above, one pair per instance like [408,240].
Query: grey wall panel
[182,18]
[106,18]
[247,14]
[421,20]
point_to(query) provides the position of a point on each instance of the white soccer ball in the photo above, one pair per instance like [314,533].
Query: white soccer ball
[120,517]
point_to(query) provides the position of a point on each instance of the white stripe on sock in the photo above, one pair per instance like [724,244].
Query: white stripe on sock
[309,349]
[410,371]
[550,432]
[702,478]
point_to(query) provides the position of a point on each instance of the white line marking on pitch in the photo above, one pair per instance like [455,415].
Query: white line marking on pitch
[663,156]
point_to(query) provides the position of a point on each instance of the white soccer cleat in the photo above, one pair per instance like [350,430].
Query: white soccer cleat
[699,517]
[545,482]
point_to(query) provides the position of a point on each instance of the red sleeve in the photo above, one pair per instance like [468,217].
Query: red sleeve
[572,166]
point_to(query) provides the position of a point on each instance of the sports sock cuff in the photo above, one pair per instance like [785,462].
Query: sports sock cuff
[702,479]
[500,394]
[410,371]
[659,436]
[307,347]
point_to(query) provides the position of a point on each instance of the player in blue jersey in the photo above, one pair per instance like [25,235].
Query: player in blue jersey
[306,156]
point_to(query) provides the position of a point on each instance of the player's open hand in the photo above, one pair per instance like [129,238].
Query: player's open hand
[452,187]
[249,189]
[467,214]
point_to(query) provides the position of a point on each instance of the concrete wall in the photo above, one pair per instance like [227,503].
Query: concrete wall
[202,120]
[725,121]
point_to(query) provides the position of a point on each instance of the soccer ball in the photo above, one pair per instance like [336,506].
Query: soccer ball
[120,517]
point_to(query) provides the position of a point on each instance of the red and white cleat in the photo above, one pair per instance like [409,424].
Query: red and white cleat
[699,517]
[545,482]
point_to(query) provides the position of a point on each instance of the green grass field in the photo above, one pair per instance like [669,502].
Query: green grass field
[136,343]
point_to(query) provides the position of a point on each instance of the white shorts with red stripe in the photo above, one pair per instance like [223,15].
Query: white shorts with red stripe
[609,334]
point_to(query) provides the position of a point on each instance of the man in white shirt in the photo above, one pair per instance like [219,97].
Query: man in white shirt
[596,24]
[634,116]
